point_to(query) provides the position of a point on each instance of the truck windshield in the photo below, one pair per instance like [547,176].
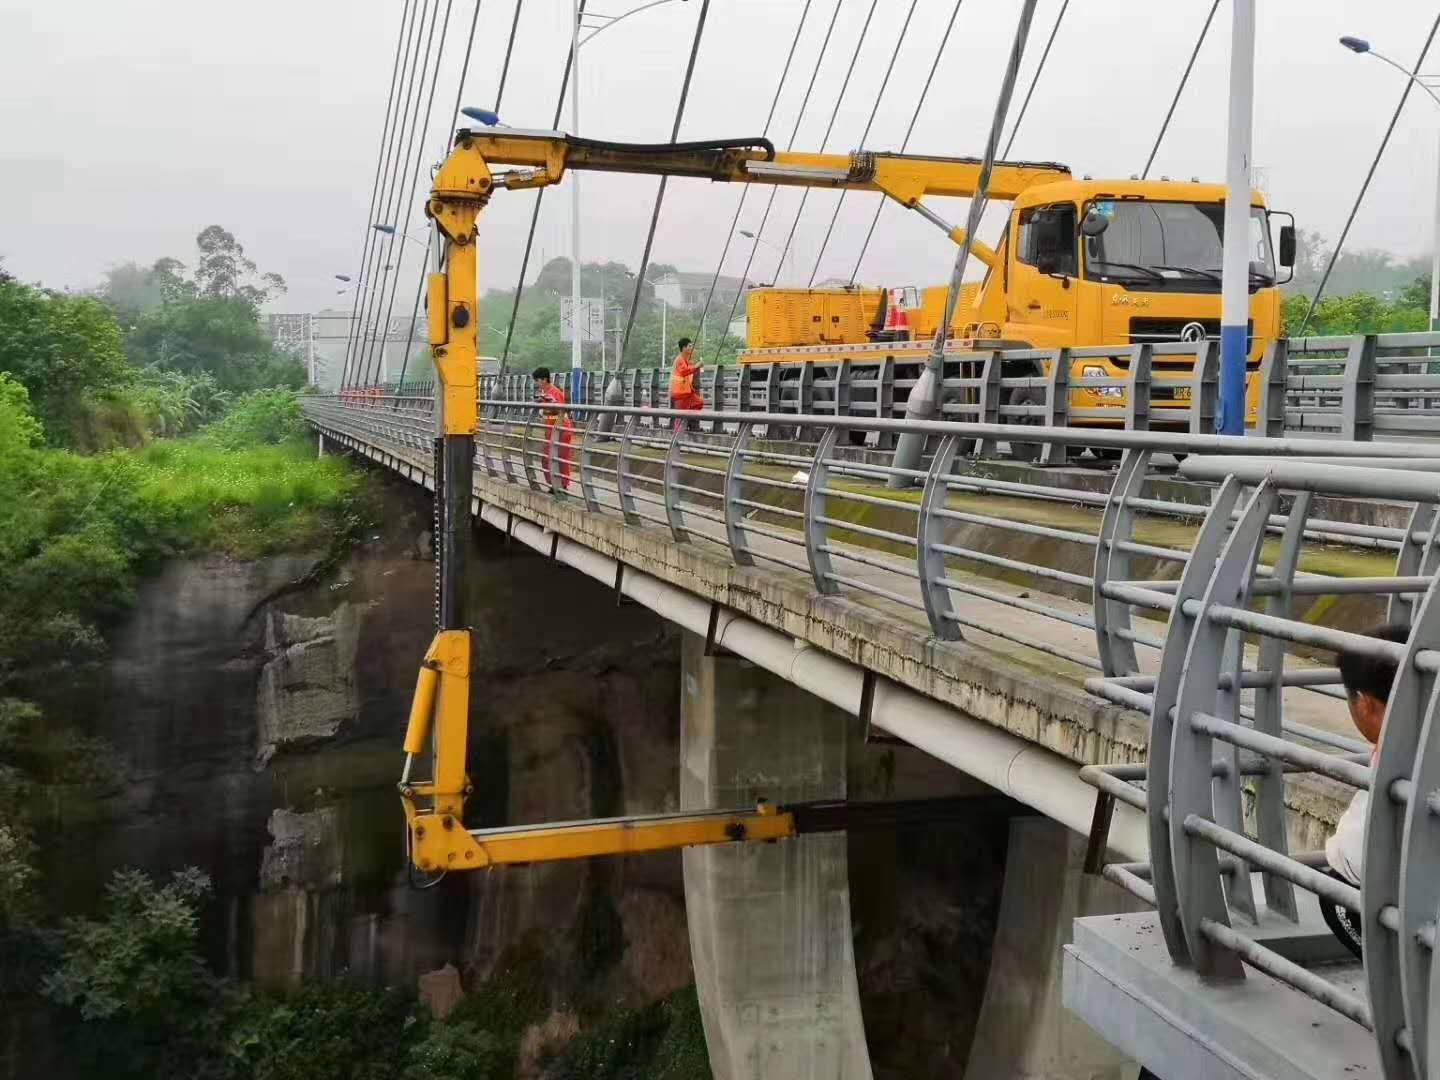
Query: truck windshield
[1171,245]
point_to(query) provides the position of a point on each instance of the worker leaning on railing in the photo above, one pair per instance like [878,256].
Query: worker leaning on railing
[1367,680]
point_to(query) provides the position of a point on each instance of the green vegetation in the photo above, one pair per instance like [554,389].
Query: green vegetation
[1369,292]
[136,1001]
[537,326]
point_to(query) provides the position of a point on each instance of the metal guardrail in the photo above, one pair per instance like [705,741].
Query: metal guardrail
[809,506]
[1221,733]
[1219,726]
[1353,388]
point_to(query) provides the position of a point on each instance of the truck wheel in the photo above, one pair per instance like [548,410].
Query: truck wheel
[1030,395]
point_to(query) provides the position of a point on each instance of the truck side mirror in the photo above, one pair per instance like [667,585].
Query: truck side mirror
[1094,223]
[1287,246]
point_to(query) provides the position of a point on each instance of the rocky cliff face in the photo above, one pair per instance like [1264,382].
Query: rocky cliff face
[256,725]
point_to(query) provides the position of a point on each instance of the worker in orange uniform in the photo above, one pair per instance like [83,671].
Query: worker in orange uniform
[559,431]
[682,382]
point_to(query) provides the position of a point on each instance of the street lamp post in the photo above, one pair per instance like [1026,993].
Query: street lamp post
[1235,264]
[1362,47]
[786,256]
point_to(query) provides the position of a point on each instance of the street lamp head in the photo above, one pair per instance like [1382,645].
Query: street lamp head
[747,234]
[342,277]
[388,230]
[1355,44]
[484,116]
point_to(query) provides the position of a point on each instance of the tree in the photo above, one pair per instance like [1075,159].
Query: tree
[64,349]
[223,270]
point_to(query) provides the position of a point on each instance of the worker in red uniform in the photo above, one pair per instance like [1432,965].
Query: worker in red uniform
[682,382]
[559,431]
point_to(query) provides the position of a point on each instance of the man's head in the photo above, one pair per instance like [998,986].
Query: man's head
[1368,680]
[685,344]
[541,375]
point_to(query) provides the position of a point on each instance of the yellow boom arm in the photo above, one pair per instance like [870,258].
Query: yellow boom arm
[439,716]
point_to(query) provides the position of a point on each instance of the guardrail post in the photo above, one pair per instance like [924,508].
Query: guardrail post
[1396,962]
[526,452]
[805,392]
[1193,787]
[842,388]
[772,389]
[885,400]
[587,478]
[821,568]
[623,486]
[1057,406]
[1137,397]
[715,400]
[1204,387]
[1357,397]
[742,388]
[1270,812]
[929,531]
[510,477]
[1117,523]
[670,489]
[990,394]
[1179,633]
[484,429]
[632,388]
[1274,374]
[734,480]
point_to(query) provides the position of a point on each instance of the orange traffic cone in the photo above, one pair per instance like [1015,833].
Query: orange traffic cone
[897,323]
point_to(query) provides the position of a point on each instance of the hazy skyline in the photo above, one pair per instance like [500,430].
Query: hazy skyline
[131,127]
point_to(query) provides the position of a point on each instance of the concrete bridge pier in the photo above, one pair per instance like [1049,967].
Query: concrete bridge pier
[769,924]
[1024,1031]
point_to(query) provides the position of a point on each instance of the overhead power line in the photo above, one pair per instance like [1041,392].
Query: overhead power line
[660,191]
[745,189]
[864,135]
[390,100]
[1370,175]
[909,131]
[1180,89]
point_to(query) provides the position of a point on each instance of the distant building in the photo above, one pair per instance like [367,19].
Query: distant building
[688,291]
[322,340]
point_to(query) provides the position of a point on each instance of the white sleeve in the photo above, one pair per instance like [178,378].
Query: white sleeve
[1345,851]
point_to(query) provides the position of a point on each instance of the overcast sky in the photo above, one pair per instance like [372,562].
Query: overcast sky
[126,127]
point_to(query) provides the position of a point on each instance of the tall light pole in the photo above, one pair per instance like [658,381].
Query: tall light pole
[1235,278]
[1361,46]
[664,318]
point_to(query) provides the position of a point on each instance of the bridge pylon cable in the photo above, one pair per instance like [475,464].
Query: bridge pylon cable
[535,212]
[745,189]
[454,121]
[1180,89]
[1370,175]
[830,127]
[390,99]
[660,190]
[1035,79]
[375,357]
[411,191]
[909,131]
[770,200]
[369,307]
[864,135]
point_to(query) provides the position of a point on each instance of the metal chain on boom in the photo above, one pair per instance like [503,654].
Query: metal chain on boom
[664,180]
[390,102]
[909,131]
[1165,124]
[770,202]
[403,229]
[1370,175]
[865,135]
[535,212]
